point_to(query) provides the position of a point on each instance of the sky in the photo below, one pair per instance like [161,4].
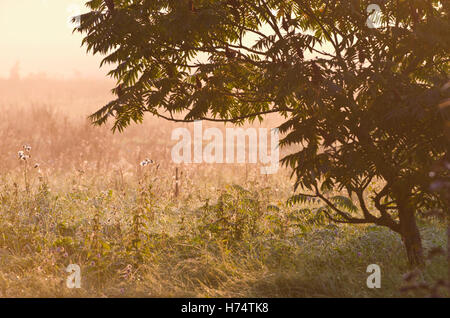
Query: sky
[38,35]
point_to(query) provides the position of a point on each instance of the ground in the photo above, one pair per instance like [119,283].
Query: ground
[82,198]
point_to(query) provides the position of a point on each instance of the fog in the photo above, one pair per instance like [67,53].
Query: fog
[37,38]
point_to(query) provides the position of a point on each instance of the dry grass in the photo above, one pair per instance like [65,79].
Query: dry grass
[90,203]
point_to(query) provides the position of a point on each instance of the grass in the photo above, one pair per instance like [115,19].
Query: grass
[229,245]
[228,233]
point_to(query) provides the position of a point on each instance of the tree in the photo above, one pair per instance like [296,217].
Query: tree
[361,103]
[14,72]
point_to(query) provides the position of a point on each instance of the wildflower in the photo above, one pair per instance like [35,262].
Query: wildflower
[92,263]
[65,254]
[23,156]
[126,272]
[438,185]
[146,162]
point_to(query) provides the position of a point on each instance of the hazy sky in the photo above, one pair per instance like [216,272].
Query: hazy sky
[37,34]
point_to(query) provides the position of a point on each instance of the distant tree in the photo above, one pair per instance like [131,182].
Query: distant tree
[14,72]
[361,103]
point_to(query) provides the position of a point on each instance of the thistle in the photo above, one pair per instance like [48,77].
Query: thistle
[24,156]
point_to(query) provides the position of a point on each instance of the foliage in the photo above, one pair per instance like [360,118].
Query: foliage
[234,216]
[361,103]
[289,253]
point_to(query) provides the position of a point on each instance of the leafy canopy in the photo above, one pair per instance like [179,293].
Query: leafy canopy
[361,103]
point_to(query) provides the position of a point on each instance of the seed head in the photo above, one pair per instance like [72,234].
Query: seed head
[146,162]
[23,156]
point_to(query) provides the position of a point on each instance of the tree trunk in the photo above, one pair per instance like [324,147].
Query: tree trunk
[411,237]
[408,227]
[448,251]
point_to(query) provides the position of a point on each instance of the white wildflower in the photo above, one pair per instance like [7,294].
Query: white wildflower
[146,162]
[23,156]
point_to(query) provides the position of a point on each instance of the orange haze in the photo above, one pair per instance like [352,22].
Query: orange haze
[36,33]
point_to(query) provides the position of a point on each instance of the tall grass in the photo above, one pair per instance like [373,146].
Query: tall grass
[146,230]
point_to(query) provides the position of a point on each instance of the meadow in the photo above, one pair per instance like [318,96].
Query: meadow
[167,230]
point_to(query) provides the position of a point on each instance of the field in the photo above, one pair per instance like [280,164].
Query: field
[166,230]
